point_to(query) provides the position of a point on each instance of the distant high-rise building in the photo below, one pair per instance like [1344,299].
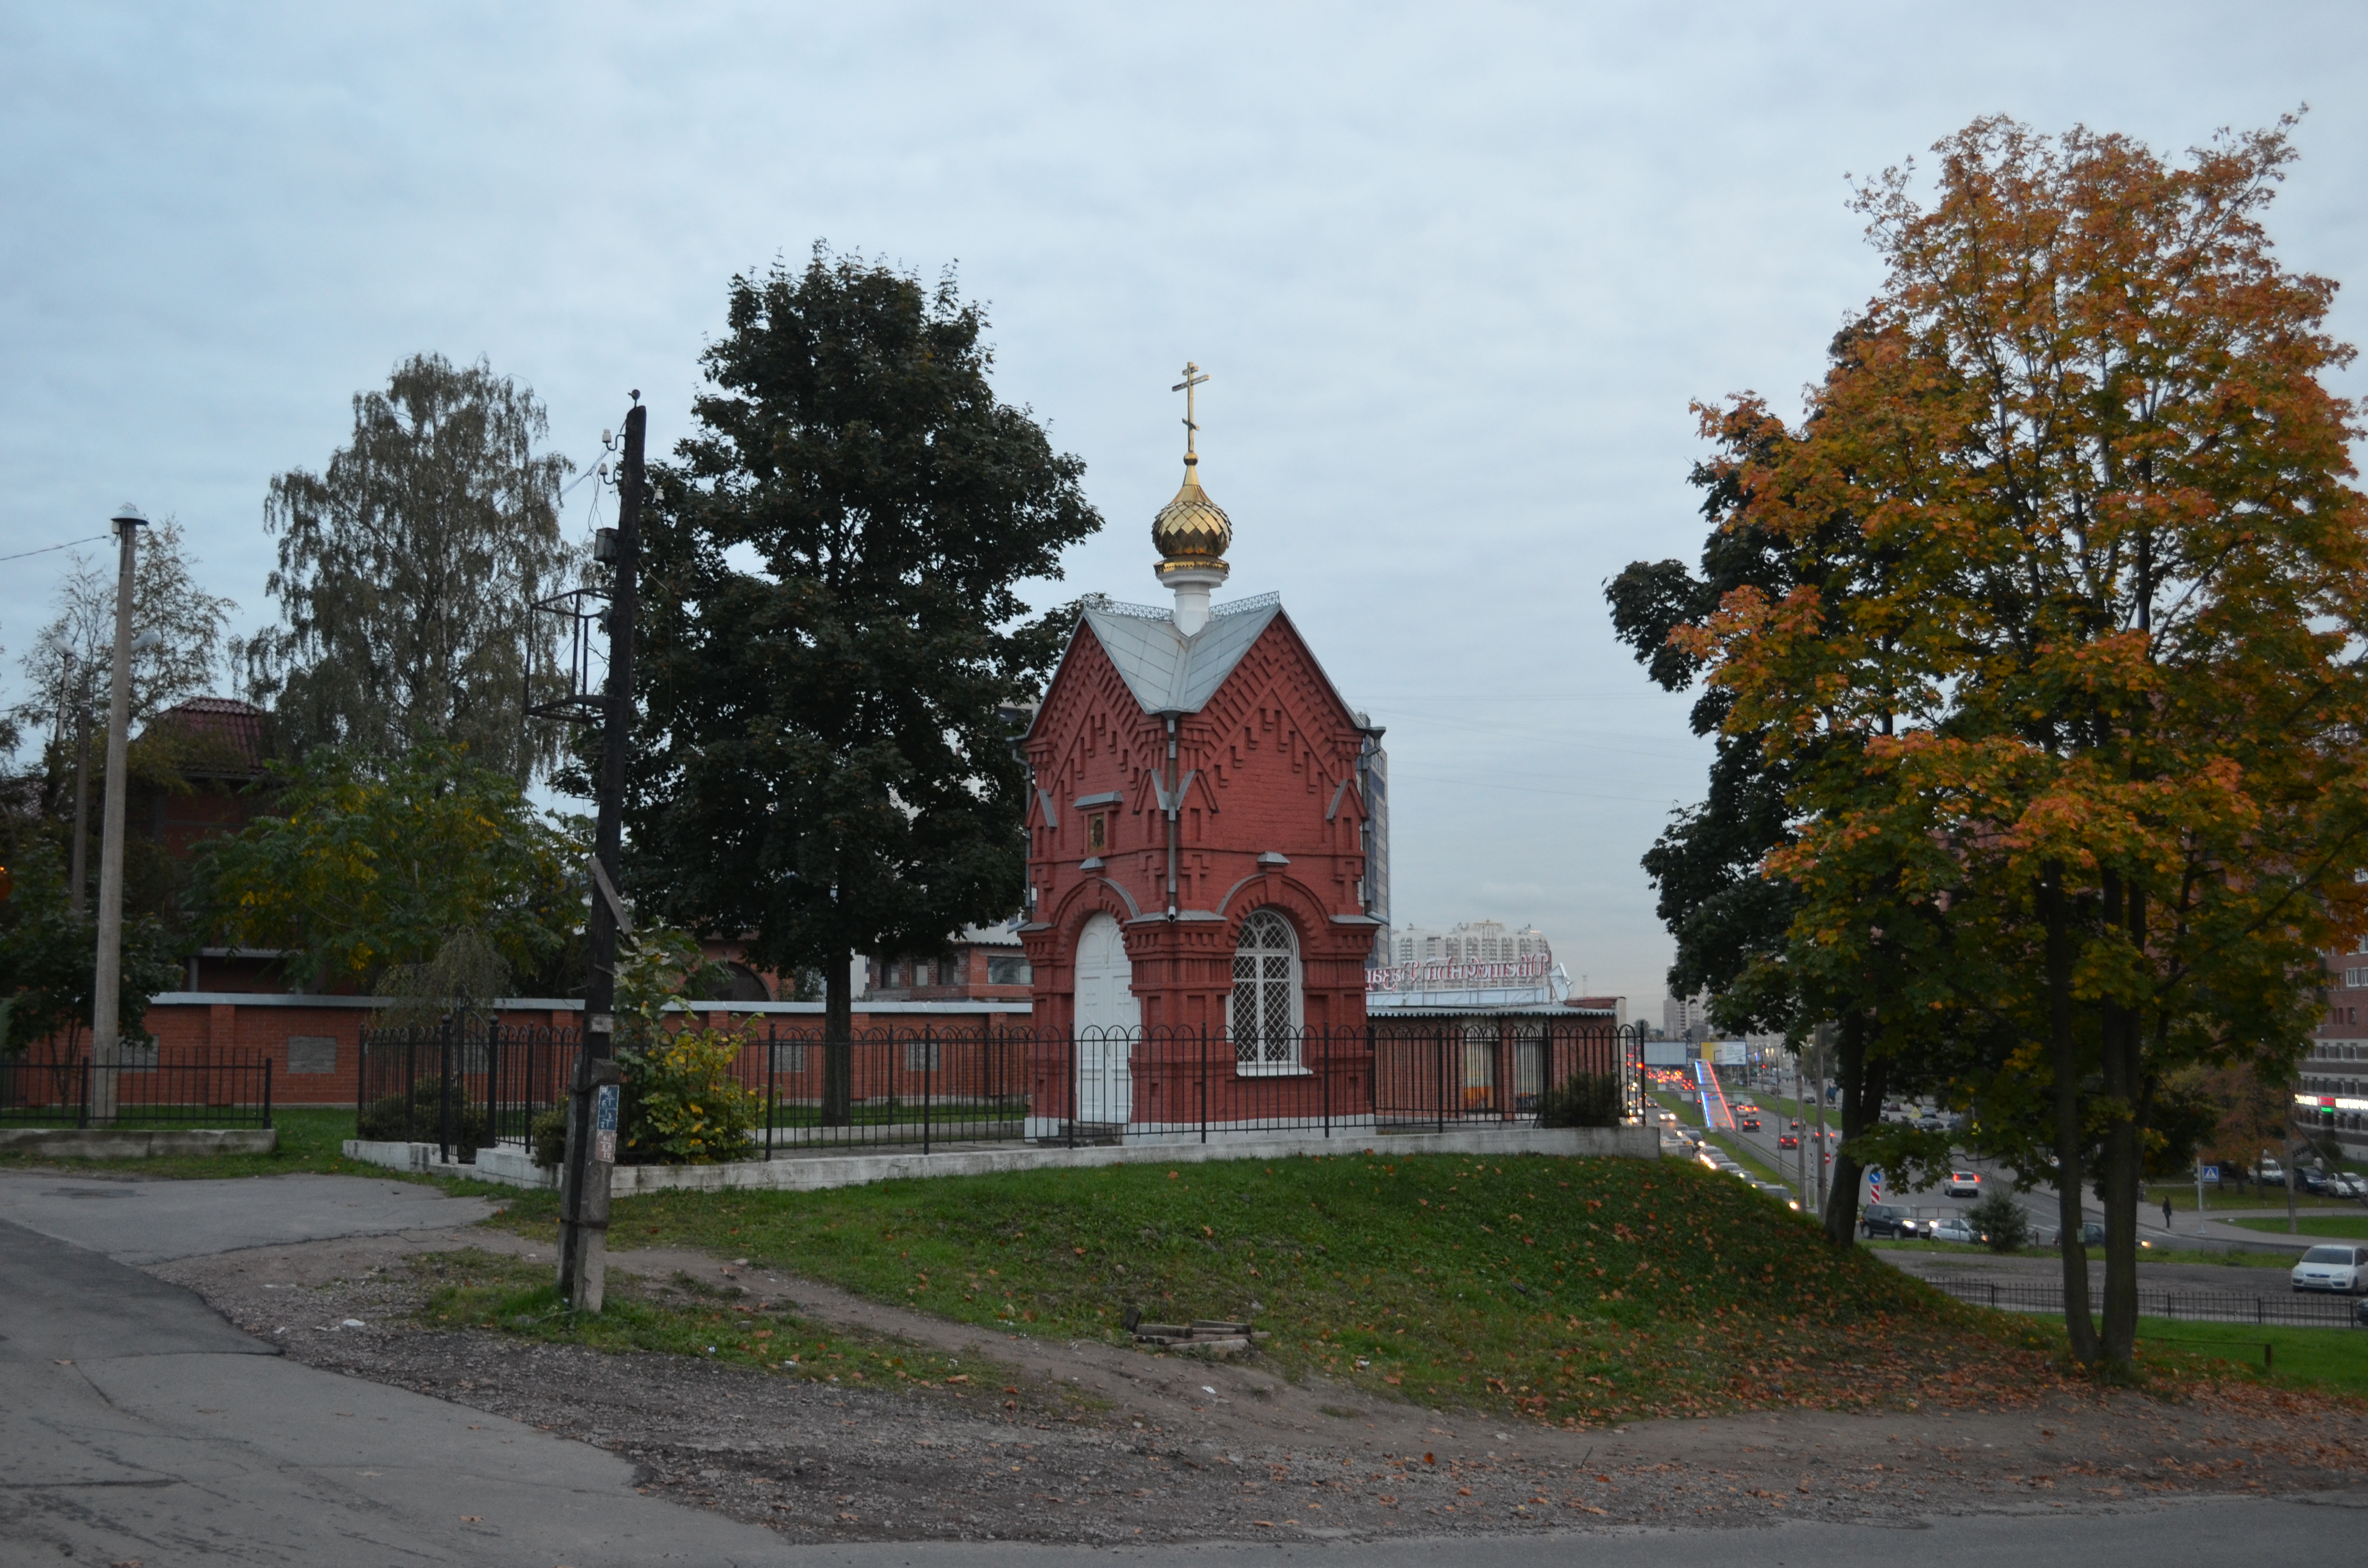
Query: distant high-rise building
[1473,941]
[1687,1017]
[1478,962]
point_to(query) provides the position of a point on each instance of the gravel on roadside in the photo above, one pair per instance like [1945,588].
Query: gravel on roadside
[1173,1451]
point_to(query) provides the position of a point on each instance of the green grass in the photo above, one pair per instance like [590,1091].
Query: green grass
[1743,1156]
[1585,1290]
[2332,1359]
[481,1290]
[2230,1259]
[311,1139]
[988,1119]
[2352,1226]
[2219,1199]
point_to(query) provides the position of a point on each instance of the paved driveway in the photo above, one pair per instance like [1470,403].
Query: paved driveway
[137,1424]
[150,1222]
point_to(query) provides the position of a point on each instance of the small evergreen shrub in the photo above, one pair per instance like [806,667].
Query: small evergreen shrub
[2000,1222]
[384,1121]
[1583,1099]
[548,1132]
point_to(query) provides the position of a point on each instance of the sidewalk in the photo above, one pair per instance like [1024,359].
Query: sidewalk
[2217,1228]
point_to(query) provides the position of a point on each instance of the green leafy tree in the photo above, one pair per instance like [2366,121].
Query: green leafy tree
[49,956]
[1733,919]
[2102,656]
[833,632]
[369,863]
[405,570]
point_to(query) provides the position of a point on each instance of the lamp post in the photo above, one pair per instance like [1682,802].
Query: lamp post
[106,1025]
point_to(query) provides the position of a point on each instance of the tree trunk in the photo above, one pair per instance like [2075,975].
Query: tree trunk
[2065,1056]
[1862,1082]
[2122,1154]
[838,1040]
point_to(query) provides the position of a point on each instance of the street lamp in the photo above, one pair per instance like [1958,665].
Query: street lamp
[106,1025]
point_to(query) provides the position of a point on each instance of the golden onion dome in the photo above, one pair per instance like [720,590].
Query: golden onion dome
[1192,530]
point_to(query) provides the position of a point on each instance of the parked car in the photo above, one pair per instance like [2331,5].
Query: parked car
[1963,1184]
[1890,1220]
[2341,1268]
[2314,1180]
[1957,1231]
[1929,1121]
[2348,1184]
[2269,1172]
[2092,1234]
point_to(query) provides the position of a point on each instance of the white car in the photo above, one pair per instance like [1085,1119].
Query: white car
[2333,1268]
[1957,1231]
[1963,1184]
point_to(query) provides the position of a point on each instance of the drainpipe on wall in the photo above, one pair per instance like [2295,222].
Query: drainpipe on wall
[1172,791]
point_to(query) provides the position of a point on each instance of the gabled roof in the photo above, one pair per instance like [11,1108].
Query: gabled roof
[1173,673]
[227,736]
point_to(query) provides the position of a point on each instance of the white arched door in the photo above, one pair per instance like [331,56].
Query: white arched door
[1108,1017]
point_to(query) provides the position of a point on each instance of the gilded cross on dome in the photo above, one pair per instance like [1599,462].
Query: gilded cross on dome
[1193,377]
[1192,532]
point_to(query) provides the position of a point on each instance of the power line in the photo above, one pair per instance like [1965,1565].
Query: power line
[47,548]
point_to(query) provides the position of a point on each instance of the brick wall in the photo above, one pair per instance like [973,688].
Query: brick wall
[314,1043]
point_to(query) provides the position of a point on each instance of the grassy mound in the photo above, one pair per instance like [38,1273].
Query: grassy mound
[1578,1291]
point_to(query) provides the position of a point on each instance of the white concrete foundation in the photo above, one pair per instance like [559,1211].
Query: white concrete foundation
[811,1173]
[138,1143]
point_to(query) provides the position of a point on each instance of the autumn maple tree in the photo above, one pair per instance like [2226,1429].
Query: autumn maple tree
[2079,688]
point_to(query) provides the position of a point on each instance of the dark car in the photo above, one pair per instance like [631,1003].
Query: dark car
[2314,1180]
[1748,1121]
[1889,1219]
[1788,1140]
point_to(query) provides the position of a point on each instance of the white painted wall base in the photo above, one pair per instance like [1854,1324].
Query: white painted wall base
[813,1172]
[137,1142]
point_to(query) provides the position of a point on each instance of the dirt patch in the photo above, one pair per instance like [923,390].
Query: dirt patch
[1174,1449]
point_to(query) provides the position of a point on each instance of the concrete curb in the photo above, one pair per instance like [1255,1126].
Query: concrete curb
[813,1173]
[137,1143]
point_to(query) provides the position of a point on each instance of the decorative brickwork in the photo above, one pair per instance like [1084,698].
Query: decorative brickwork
[1268,815]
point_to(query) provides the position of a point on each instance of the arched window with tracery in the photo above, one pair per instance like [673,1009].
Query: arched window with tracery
[1265,994]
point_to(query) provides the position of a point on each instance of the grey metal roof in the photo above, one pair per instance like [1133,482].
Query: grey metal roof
[1172,674]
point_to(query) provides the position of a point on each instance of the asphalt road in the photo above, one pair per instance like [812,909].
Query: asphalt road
[137,1426]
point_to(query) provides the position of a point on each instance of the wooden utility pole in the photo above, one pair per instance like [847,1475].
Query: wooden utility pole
[594,1095]
[106,980]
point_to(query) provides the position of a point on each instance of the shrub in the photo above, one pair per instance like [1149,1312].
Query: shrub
[682,1105]
[385,1120]
[548,1132]
[1584,1099]
[2000,1222]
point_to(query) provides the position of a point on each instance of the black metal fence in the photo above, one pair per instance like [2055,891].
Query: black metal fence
[463,1085]
[207,1090]
[466,1085]
[2297,1310]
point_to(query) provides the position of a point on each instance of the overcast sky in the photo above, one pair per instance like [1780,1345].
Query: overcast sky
[1456,271]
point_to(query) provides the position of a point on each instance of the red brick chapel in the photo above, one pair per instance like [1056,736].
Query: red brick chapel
[1198,835]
